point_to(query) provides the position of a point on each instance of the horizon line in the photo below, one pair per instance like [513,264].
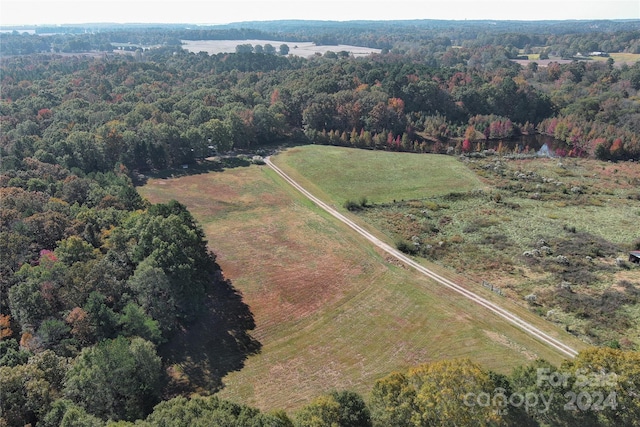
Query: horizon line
[204,24]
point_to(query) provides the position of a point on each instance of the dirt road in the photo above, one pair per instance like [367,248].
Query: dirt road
[505,314]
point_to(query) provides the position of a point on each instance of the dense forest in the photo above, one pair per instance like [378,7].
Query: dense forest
[98,287]
[167,106]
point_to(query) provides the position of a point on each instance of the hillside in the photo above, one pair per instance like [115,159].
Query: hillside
[331,312]
[429,145]
[552,234]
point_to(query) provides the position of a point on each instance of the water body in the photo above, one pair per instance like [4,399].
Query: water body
[544,145]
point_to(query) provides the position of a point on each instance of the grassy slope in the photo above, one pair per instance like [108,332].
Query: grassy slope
[331,312]
[382,176]
[343,173]
[484,239]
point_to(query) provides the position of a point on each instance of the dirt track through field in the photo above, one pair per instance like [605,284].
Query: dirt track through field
[501,312]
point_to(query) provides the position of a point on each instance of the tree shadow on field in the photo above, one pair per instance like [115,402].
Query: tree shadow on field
[220,163]
[217,164]
[199,355]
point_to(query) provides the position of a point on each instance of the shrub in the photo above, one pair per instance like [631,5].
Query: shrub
[406,246]
[352,205]
[601,310]
[257,160]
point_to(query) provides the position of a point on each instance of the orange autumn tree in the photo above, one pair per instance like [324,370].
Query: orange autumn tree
[5,326]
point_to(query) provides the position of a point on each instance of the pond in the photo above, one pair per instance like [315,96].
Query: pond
[544,145]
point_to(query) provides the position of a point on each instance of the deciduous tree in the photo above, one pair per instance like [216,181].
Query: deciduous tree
[116,379]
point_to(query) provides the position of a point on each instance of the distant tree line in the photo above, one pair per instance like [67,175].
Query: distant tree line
[563,38]
[92,114]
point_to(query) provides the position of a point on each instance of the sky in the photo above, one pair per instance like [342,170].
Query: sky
[58,12]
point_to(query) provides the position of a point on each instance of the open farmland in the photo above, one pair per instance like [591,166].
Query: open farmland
[331,311]
[344,173]
[303,49]
[620,58]
[552,234]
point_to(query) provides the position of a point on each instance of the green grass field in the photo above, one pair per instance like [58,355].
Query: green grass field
[628,58]
[331,311]
[344,173]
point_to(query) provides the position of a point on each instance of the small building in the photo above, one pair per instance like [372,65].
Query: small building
[634,256]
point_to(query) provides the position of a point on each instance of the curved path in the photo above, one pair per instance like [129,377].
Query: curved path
[505,314]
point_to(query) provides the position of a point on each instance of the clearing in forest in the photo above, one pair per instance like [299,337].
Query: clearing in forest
[331,311]
[552,234]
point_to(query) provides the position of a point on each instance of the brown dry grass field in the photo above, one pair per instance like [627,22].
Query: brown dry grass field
[331,311]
